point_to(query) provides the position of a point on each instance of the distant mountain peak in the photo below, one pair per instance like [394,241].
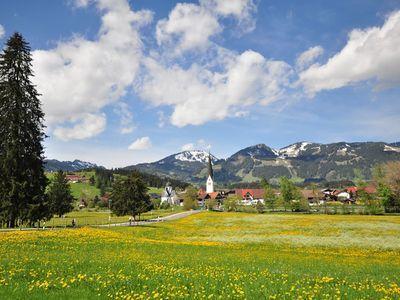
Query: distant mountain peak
[293,150]
[194,156]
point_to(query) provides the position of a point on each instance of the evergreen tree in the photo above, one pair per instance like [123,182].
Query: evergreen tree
[59,195]
[22,178]
[129,196]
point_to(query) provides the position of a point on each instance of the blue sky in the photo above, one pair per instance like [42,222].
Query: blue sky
[125,82]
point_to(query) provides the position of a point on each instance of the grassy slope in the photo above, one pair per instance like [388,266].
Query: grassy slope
[206,256]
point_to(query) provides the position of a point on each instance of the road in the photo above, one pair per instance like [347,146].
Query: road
[160,219]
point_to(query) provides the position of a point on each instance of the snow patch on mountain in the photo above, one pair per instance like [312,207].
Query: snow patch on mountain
[195,156]
[293,150]
[391,149]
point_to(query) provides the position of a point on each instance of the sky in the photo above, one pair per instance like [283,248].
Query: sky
[124,82]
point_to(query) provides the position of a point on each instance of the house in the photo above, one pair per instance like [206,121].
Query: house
[313,197]
[353,190]
[250,196]
[74,178]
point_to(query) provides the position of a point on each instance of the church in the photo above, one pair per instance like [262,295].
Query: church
[209,192]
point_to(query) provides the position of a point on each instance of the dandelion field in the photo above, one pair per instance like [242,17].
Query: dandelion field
[208,256]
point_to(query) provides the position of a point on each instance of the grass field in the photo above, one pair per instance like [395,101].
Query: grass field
[209,255]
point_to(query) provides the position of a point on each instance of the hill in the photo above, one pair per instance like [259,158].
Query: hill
[302,160]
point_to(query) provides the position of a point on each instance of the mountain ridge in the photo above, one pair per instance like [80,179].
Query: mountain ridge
[53,165]
[301,160]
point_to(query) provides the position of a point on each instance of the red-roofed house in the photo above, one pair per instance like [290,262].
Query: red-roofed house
[250,196]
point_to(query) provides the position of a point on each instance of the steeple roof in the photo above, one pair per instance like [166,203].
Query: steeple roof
[210,168]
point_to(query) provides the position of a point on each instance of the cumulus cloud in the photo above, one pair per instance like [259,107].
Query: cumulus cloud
[2,31]
[370,54]
[142,143]
[179,27]
[79,77]
[308,57]
[88,126]
[187,147]
[190,26]
[200,94]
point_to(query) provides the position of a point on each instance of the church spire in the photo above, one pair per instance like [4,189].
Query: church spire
[210,178]
[210,168]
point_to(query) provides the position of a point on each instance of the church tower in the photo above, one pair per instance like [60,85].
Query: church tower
[210,178]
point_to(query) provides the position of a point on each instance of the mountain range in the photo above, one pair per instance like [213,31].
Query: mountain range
[53,165]
[301,161]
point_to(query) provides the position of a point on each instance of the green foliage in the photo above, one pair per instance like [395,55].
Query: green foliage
[231,203]
[269,197]
[92,181]
[22,178]
[156,202]
[59,195]
[165,205]
[260,207]
[372,204]
[300,205]
[129,196]
[288,191]
[211,204]
[190,198]
[388,178]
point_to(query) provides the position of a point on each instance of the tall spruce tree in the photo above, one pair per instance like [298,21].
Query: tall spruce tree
[22,178]
[59,195]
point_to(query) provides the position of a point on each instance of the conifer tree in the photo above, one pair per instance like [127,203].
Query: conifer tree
[22,178]
[59,195]
[129,196]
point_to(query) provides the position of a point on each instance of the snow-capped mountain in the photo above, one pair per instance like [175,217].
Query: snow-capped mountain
[53,165]
[303,160]
[293,150]
[195,155]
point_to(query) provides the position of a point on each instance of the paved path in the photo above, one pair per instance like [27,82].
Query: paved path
[161,219]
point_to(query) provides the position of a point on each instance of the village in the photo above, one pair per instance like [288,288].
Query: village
[248,197]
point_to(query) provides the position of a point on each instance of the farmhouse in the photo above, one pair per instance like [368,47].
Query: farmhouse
[75,178]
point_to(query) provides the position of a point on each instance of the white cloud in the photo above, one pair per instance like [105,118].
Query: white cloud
[80,77]
[370,54]
[142,143]
[200,93]
[190,26]
[308,57]
[126,118]
[2,31]
[242,10]
[88,126]
[187,147]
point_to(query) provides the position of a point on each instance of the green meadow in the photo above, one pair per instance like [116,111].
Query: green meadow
[208,256]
